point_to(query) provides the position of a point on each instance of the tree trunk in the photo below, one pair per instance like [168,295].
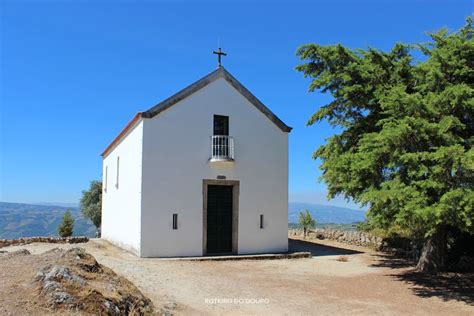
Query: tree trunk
[434,252]
[304,232]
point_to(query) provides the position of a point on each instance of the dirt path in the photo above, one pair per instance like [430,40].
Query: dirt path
[367,283]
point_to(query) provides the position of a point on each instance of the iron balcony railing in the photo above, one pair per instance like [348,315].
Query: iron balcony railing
[222,148]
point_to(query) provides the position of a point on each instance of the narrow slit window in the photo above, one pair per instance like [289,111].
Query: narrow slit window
[175,221]
[261,221]
[105,180]
[118,173]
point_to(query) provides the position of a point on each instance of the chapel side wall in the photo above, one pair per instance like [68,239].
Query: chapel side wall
[121,206]
[175,161]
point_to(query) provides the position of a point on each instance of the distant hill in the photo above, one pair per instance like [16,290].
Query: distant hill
[75,205]
[27,220]
[326,214]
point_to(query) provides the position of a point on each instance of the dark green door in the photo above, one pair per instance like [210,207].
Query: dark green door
[219,219]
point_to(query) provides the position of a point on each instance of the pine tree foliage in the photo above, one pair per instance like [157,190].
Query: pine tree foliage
[67,225]
[407,129]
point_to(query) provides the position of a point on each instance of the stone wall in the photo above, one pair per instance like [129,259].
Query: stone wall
[53,240]
[347,237]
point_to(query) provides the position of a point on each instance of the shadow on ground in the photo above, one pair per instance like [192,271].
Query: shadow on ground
[317,250]
[383,260]
[446,286]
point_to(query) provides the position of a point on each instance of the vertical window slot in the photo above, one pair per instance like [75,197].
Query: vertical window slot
[118,172]
[175,221]
[105,180]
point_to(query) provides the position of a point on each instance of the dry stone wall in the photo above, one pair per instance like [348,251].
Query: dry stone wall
[347,237]
[53,240]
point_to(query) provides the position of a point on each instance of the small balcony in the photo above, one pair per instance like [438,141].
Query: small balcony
[222,148]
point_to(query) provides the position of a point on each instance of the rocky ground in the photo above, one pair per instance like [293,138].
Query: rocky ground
[337,280]
[65,282]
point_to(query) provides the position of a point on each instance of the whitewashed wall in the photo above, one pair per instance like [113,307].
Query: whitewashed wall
[176,149]
[121,207]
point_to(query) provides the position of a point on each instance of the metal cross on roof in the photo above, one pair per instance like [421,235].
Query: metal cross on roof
[219,53]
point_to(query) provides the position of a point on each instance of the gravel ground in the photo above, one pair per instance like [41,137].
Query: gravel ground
[338,281]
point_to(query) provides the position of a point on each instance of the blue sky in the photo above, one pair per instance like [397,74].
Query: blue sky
[73,74]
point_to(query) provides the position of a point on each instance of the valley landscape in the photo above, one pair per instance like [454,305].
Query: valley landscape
[26,220]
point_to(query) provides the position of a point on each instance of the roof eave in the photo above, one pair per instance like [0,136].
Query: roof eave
[132,123]
[256,102]
[220,72]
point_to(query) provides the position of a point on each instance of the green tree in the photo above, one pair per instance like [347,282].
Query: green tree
[91,204]
[406,133]
[66,227]
[306,221]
